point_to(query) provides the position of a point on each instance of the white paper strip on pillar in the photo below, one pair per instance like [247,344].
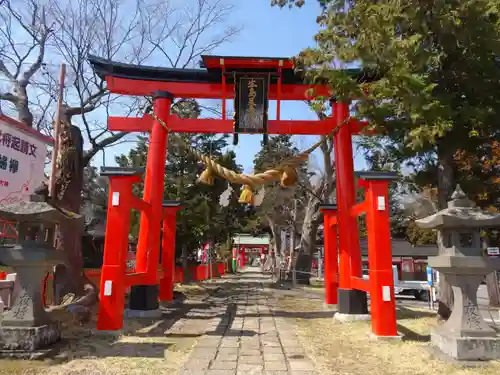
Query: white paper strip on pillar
[225,197]
[259,197]
[386,293]
[380,203]
[115,198]
[108,284]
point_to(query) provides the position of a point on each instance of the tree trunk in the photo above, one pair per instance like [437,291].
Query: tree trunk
[22,107]
[275,244]
[70,283]
[307,244]
[445,188]
[293,237]
[292,249]
[493,289]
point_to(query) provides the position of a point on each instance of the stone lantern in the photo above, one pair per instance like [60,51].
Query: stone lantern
[26,328]
[465,335]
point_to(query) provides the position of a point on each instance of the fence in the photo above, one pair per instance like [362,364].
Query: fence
[281,270]
[197,273]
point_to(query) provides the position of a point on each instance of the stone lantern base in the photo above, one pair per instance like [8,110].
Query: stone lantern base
[28,342]
[26,330]
[465,336]
[466,348]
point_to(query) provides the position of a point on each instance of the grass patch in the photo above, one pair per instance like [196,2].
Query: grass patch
[340,348]
[6,269]
[142,347]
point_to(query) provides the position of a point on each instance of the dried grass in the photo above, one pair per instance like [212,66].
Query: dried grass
[340,348]
[6,269]
[142,347]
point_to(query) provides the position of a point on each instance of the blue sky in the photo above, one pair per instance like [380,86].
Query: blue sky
[269,32]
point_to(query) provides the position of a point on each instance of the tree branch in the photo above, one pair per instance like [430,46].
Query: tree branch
[7,96]
[37,64]
[101,145]
[5,71]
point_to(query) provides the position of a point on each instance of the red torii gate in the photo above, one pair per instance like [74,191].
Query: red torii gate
[220,79]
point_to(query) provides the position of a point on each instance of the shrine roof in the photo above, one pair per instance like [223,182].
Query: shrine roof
[216,61]
[211,71]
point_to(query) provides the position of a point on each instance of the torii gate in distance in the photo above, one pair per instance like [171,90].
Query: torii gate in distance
[252,82]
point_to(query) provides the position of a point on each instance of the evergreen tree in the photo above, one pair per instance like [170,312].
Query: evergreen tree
[436,74]
[436,66]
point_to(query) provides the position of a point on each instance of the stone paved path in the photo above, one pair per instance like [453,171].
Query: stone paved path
[243,335]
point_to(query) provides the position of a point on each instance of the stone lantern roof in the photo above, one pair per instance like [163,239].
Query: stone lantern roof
[465,335]
[460,213]
[36,210]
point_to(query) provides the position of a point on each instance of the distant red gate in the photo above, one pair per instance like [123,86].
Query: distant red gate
[8,229]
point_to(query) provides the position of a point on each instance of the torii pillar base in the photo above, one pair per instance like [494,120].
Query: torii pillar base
[352,302]
[143,302]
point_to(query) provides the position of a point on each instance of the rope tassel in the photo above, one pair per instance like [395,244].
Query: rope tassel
[286,172]
[289,176]
[246,195]
[207,176]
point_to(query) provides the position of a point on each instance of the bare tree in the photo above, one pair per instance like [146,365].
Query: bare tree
[137,31]
[24,33]
[191,30]
[318,192]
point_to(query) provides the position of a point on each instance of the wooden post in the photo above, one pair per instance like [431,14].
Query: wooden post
[57,128]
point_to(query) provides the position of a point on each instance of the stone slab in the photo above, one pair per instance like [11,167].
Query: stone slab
[229,344]
[223,365]
[143,314]
[250,369]
[275,366]
[398,337]
[467,348]
[227,351]
[187,371]
[344,318]
[246,347]
[28,354]
[208,342]
[220,372]
[251,360]
[437,354]
[28,338]
[227,357]
[197,364]
[273,357]
[249,352]
[273,350]
[269,344]
[301,365]
[203,353]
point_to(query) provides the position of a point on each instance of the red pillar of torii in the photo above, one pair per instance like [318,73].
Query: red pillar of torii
[220,79]
[169,228]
